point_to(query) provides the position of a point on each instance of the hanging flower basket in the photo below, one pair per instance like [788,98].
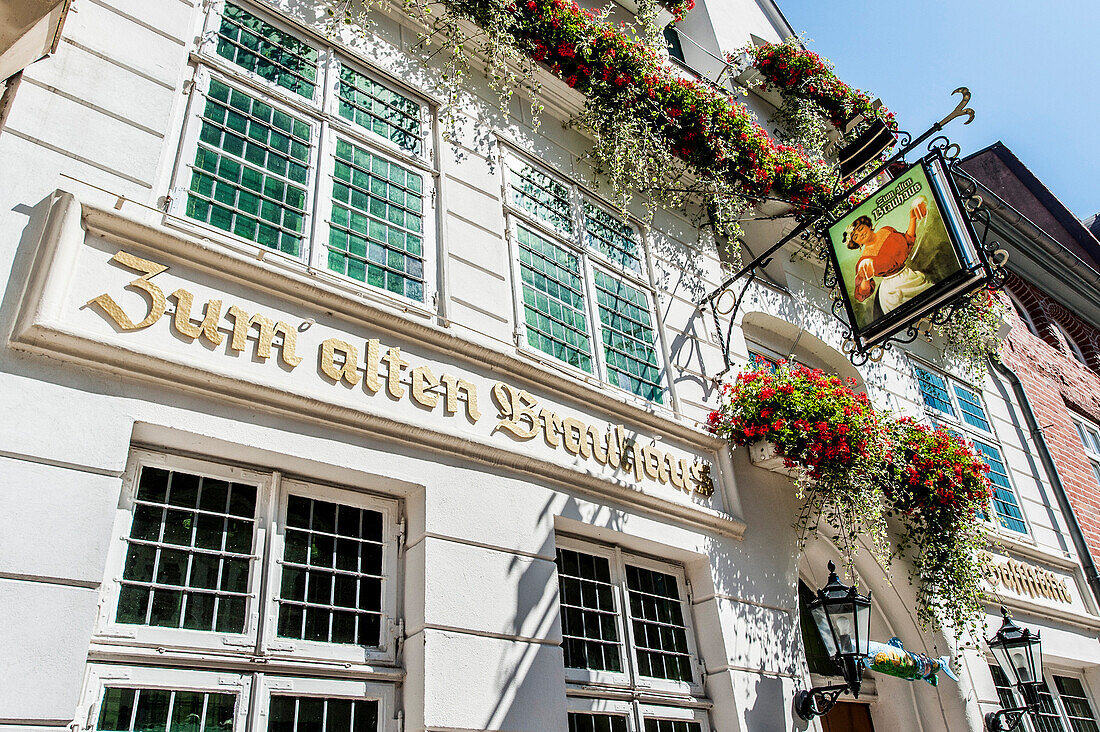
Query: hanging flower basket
[767,456]
[855,467]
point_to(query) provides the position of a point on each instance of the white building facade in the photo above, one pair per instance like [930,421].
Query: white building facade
[316,420]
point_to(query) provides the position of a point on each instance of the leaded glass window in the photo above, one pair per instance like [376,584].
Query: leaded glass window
[554,300]
[259,163]
[628,337]
[541,196]
[379,109]
[314,714]
[1047,718]
[251,170]
[260,47]
[598,629]
[589,613]
[1005,694]
[585,722]
[1004,499]
[581,279]
[331,588]
[933,389]
[970,404]
[162,710]
[189,552]
[376,232]
[959,410]
[611,237]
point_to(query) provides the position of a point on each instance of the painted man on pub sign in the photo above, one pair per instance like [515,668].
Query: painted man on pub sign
[894,254]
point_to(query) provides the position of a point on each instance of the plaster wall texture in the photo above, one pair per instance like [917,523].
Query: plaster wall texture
[102,119]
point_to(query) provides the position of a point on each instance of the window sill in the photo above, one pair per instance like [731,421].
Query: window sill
[114,652]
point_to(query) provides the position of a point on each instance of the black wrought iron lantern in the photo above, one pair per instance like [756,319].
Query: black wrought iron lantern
[1020,656]
[843,620]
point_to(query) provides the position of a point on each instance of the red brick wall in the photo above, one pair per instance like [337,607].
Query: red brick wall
[1058,385]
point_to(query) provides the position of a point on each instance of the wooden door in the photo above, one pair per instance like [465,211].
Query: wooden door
[848,717]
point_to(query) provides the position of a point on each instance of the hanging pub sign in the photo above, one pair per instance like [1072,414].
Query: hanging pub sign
[905,252]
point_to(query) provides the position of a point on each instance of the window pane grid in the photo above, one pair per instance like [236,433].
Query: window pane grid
[586,722]
[1005,694]
[553,299]
[251,169]
[331,586]
[383,111]
[612,238]
[628,338]
[971,406]
[189,553]
[660,634]
[933,389]
[267,51]
[671,725]
[151,710]
[543,197]
[1004,500]
[1078,710]
[590,631]
[376,232]
[1047,718]
[313,714]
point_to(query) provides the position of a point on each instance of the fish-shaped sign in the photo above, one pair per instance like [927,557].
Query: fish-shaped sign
[892,659]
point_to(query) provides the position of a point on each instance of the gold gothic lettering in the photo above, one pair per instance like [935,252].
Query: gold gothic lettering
[349,371]
[1025,579]
[518,411]
[518,415]
[242,323]
[211,314]
[157,303]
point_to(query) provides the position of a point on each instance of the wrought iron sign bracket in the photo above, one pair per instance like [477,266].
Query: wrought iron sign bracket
[813,224]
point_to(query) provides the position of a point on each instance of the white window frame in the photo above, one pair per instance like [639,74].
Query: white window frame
[356,690]
[590,260]
[1071,345]
[973,433]
[294,648]
[629,677]
[101,676]
[1091,445]
[253,691]
[636,712]
[1056,696]
[326,124]
[1023,314]
[267,549]
[108,629]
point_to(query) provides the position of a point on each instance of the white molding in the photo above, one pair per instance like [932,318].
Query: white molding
[42,327]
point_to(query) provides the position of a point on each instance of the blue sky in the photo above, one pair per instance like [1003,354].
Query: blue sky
[1032,67]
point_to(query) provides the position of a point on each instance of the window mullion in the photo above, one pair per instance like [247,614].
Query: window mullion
[628,626]
[268,567]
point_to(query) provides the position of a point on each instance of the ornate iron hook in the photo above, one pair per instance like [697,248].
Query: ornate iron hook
[960,109]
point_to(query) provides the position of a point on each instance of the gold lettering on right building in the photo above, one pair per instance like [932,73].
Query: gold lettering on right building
[1025,579]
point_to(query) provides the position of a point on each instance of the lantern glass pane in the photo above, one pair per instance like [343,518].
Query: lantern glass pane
[863,627]
[1005,662]
[824,629]
[842,615]
[1037,657]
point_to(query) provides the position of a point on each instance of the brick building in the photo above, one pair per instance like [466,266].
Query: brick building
[1054,346]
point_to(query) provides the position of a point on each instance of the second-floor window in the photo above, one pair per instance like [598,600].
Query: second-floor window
[585,295]
[957,407]
[295,148]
